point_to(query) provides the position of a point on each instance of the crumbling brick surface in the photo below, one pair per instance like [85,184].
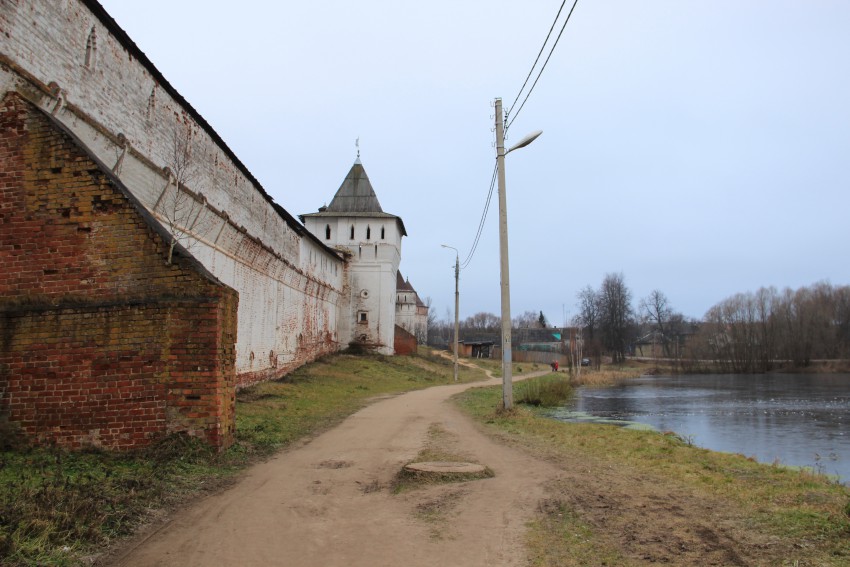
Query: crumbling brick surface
[101,341]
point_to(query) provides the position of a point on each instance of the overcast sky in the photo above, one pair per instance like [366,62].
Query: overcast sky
[700,148]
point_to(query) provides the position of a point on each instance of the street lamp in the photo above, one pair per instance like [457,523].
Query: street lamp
[457,299]
[507,355]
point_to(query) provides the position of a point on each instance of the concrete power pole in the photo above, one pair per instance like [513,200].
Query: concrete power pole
[457,301]
[507,354]
[457,306]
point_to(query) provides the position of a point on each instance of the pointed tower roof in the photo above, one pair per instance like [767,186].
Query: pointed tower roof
[355,195]
[355,198]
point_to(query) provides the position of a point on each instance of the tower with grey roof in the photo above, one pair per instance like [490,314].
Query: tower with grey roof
[355,224]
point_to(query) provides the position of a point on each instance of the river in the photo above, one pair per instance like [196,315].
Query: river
[793,419]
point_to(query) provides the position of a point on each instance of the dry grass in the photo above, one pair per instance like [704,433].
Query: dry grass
[607,376]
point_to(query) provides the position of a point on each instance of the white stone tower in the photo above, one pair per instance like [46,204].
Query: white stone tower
[371,239]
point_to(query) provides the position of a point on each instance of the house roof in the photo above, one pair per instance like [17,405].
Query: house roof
[355,198]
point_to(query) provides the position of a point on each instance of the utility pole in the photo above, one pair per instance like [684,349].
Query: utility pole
[457,307]
[507,354]
[457,301]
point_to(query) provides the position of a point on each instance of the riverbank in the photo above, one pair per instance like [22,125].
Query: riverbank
[636,497]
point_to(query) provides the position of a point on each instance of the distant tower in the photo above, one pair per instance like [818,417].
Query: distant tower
[355,223]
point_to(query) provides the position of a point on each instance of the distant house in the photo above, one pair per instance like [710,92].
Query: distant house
[476,349]
[656,344]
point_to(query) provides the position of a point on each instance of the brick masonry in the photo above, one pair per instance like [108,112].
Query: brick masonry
[102,343]
[405,341]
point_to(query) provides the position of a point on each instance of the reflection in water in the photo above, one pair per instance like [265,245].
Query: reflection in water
[795,419]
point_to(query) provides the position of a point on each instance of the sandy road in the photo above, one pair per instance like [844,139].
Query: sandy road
[327,503]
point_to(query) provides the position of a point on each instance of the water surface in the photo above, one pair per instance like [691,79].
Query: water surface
[795,419]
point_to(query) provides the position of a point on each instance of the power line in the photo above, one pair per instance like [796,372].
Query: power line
[477,239]
[551,51]
[539,53]
[481,223]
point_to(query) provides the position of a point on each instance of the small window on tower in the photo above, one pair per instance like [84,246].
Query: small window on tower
[352,232]
[383,236]
[368,233]
[362,317]
[327,232]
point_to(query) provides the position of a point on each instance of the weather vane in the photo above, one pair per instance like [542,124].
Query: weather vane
[357,145]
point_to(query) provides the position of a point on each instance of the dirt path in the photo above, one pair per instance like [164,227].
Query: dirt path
[327,502]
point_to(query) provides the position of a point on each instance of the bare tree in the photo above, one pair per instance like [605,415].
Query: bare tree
[526,320]
[482,321]
[588,312]
[656,309]
[616,314]
[432,315]
[177,205]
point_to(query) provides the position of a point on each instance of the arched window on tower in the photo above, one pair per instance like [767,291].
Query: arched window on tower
[383,235]
[368,232]
[327,232]
[352,232]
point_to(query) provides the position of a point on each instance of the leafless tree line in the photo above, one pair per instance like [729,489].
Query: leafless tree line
[482,325]
[755,332]
[747,332]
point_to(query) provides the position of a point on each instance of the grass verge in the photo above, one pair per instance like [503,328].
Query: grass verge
[61,508]
[807,509]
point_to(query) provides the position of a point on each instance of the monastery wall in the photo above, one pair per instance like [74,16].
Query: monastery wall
[69,58]
[102,343]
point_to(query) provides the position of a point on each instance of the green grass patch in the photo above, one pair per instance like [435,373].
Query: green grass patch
[57,506]
[810,508]
[549,391]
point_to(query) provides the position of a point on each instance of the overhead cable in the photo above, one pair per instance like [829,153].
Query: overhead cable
[539,53]
[481,223]
[539,73]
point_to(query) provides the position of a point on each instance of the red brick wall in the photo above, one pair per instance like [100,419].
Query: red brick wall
[101,341]
[405,342]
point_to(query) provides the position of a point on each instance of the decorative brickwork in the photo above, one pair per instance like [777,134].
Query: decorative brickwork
[101,341]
